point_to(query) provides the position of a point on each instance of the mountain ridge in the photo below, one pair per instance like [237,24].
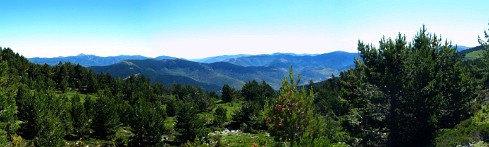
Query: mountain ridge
[269,68]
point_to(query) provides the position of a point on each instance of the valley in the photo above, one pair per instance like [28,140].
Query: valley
[234,70]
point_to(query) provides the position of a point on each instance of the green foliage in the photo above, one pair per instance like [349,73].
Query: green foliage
[106,119]
[248,118]
[290,115]
[485,58]
[220,116]
[79,116]
[171,105]
[228,93]
[399,93]
[28,104]
[243,139]
[8,108]
[252,91]
[189,124]
[147,124]
[485,43]
[361,108]
[468,131]
[474,55]
[50,133]
[422,82]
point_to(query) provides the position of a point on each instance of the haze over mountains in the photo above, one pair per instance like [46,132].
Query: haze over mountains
[213,72]
[91,60]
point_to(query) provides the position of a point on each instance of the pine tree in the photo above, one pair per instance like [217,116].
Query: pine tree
[106,120]
[79,116]
[485,58]
[8,109]
[227,94]
[291,113]
[147,124]
[50,133]
[220,116]
[189,124]
[422,82]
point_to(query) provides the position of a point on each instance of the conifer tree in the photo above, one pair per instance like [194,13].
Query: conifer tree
[79,116]
[291,113]
[147,123]
[8,108]
[227,94]
[189,124]
[422,82]
[220,116]
[106,119]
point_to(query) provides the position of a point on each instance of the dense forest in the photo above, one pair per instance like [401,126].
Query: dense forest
[399,93]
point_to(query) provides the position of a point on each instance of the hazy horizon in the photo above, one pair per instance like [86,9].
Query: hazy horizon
[197,29]
[299,54]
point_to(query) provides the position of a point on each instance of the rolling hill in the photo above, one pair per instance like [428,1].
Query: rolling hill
[214,75]
[213,72]
[86,60]
[218,58]
[206,75]
[472,53]
[335,60]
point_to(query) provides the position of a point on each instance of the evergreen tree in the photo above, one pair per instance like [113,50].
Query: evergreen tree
[147,124]
[220,116]
[79,116]
[171,105]
[422,82]
[8,108]
[290,115]
[249,117]
[251,91]
[189,124]
[485,58]
[227,94]
[50,133]
[106,119]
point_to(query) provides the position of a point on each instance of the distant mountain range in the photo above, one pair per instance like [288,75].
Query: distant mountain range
[335,60]
[91,60]
[212,73]
[218,58]
[461,48]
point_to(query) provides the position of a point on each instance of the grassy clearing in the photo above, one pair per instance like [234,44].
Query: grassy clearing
[244,139]
[474,55]
[232,107]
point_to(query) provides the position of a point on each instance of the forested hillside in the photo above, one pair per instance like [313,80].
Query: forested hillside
[399,93]
[211,76]
[85,60]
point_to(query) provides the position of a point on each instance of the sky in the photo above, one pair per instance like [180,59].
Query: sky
[202,28]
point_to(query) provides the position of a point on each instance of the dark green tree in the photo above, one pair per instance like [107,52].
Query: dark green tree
[484,42]
[220,116]
[423,83]
[171,105]
[106,119]
[290,115]
[213,94]
[50,133]
[79,116]
[252,91]
[189,124]
[249,117]
[147,124]
[8,108]
[227,93]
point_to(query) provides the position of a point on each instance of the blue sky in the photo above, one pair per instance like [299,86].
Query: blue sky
[202,28]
